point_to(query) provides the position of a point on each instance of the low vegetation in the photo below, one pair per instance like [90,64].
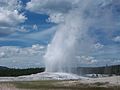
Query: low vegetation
[51,85]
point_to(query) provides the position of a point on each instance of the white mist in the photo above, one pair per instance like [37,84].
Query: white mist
[72,38]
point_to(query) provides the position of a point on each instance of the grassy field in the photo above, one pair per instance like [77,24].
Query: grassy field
[53,85]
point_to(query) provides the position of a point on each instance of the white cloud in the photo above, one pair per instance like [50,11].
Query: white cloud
[56,9]
[11,51]
[43,35]
[22,29]
[86,59]
[56,18]
[22,57]
[116,39]
[117,61]
[10,18]
[35,27]
[98,46]
[10,15]
[50,6]
[37,47]
[2,54]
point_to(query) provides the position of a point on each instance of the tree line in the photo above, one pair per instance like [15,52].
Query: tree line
[13,72]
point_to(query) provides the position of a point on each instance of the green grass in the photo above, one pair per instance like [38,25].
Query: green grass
[55,85]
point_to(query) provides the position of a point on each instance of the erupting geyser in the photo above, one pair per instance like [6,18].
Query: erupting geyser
[77,39]
[72,36]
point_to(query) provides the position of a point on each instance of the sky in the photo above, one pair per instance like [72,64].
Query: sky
[27,27]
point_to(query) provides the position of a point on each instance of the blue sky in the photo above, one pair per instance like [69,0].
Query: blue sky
[28,26]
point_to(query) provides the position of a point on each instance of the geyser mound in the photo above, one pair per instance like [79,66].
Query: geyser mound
[49,76]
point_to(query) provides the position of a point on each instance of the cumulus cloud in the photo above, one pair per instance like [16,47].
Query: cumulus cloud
[27,56]
[56,9]
[56,18]
[116,39]
[2,54]
[10,18]
[98,46]
[86,59]
[35,27]
[22,29]
[11,51]
[10,15]
[50,6]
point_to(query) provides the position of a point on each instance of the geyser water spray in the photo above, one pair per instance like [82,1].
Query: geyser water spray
[72,37]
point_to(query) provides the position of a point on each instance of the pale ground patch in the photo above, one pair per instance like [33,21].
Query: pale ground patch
[115,80]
